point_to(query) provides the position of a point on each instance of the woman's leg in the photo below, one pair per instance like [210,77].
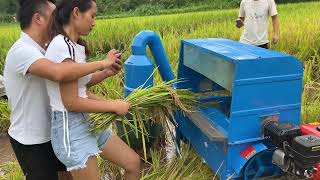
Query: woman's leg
[119,153]
[90,172]
[65,176]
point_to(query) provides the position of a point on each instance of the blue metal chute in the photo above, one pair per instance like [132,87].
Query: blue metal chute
[151,39]
[139,67]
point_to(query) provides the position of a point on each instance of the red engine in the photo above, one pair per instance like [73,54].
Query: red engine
[312,128]
[316,175]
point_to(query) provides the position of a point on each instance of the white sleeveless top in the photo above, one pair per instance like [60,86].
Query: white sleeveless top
[62,48]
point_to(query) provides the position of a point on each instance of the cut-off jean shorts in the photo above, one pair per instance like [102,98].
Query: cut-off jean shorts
[72,141]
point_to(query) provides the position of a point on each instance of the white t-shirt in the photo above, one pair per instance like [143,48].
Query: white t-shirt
[27,93]
[256,13]
[60,49]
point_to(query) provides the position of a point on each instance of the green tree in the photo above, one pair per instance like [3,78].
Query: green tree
[12,7]
[3,6]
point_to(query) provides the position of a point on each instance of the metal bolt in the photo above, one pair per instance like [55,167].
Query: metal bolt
[206,144]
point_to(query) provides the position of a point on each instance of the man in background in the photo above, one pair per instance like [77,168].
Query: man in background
[254,16]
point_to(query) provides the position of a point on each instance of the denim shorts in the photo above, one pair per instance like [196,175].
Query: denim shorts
[71,140]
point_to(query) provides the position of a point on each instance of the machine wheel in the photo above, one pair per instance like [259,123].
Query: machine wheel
[261,166]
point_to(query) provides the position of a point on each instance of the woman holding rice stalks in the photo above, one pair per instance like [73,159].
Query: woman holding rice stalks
[71,102]
[156,104]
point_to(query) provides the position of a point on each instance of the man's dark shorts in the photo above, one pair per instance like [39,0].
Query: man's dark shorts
[266,46]
[38,162]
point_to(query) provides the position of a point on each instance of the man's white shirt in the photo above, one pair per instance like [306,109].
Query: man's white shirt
[256,13]
[27,93]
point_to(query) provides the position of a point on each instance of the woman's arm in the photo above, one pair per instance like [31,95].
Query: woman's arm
[93,96]
[98,77]
[74,103]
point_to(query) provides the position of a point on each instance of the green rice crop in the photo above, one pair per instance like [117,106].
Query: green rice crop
[4,116]
[300,36]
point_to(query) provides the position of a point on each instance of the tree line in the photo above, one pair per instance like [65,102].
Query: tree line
[9,7]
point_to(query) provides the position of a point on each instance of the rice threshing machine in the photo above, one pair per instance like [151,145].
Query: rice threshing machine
[255,130]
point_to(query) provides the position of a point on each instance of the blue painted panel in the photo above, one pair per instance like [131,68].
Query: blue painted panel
[233,50]
[212,152]
[269,67]
[249,127]
[249,98]
[138,71]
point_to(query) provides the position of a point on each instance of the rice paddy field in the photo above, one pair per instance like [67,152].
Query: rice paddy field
[300,36]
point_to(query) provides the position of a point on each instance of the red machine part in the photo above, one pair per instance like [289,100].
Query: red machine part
[316,175]
[312,128]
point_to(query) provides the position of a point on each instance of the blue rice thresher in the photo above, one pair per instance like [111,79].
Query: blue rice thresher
[259,94]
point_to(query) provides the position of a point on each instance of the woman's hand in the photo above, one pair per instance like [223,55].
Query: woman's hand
[114,69]
[121,107]
[111,66]
[113,60]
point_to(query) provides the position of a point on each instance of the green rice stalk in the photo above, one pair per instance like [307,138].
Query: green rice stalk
[126,133]
[4,116]
[189,167]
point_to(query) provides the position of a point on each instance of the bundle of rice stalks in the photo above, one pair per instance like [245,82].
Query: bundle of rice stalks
[152,104]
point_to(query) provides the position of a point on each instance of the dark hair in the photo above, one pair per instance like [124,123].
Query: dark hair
[27,8]
[63,13]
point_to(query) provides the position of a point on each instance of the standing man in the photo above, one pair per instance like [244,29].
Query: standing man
[24,78]
[254,16]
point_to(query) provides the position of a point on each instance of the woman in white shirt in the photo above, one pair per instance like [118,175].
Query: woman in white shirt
[71,101]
